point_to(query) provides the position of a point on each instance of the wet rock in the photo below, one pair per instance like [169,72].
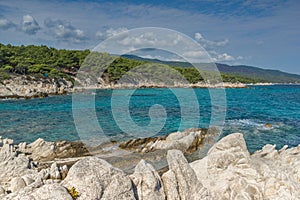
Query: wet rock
[148,182]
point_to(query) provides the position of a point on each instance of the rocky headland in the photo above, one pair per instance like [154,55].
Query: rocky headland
[70,170]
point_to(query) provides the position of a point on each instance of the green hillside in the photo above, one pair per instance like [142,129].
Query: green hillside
[44,62]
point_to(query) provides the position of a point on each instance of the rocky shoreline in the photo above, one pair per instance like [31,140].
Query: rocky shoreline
[33,87]
[25,86]
[70,170]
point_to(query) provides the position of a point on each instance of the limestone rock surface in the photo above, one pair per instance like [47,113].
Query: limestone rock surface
[94,179]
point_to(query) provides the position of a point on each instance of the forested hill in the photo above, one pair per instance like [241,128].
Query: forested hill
[44,62]
[265,75]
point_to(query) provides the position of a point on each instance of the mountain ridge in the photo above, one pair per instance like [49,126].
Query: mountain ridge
[266,75]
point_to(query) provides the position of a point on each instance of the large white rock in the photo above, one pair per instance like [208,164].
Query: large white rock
[17,184]
[181,180]
[48,192]
[229,172]
[148,182]
[229,151]
[94,178]
[170,185]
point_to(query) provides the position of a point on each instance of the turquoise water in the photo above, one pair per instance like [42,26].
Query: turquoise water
[248,110]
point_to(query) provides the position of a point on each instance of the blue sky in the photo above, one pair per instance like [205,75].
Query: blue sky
[259,33]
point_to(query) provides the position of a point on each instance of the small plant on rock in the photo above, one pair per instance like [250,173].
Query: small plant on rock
[73,192]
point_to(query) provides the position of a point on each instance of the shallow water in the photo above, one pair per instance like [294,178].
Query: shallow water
[247,111]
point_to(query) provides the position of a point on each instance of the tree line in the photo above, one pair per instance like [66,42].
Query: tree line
[43,61]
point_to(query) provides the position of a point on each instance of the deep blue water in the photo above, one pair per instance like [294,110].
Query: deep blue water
[247,111]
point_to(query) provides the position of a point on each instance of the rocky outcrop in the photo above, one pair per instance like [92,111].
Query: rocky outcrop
[187,141]
[41,150]
[13,164]
[31,87]
[227,172]
[230,172]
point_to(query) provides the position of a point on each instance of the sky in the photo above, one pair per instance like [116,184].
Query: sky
[262,33]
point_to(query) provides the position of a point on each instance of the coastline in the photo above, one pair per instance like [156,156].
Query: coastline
[28,87]
[31,87]
[266,84]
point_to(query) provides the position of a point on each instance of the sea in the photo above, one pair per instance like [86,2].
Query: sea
[263,114]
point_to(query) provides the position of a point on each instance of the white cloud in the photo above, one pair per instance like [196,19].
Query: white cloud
[141,40]
[224,57]
[63,30]
[102,35]
[29,25]
[209,43]
[6,24]
[198,36]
